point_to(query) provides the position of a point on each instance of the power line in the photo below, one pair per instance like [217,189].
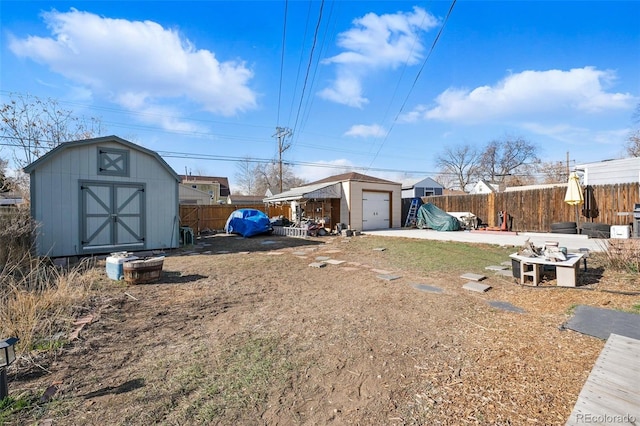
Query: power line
[424,63]
[284,38]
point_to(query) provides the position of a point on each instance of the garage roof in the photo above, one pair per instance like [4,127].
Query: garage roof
[319,190]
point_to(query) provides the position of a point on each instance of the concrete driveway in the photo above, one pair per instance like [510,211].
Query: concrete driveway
[572,242]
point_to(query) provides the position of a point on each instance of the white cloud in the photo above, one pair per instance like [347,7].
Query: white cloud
[323,169]
[375,42]
[137,64]
[364,131]
[529,92]
[579,136]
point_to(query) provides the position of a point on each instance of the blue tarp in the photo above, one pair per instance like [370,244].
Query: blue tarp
[430,216]
[247,222]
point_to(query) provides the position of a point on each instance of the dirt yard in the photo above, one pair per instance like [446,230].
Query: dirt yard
[244,331]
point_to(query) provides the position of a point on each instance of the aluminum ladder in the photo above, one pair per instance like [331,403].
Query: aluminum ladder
[413,210]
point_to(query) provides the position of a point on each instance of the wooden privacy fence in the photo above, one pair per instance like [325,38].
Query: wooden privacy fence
[536,209]
[214,217]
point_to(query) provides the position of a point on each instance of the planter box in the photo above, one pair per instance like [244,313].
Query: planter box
[143,271]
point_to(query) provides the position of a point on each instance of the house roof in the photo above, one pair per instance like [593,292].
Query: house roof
[95,141]
[239,199]
[325,188]
[351,176]
[223,181]
[317,190]
[413,182]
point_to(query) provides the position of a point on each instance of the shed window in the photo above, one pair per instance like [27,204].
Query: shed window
[113,162]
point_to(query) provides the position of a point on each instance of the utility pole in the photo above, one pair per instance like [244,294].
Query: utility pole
[281,134]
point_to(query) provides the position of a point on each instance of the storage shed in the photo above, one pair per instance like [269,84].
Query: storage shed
[103,195]
[359,201]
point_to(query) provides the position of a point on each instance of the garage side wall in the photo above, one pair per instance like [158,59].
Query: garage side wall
[55,198]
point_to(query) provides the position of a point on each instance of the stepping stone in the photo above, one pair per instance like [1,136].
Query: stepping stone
[333,251]
[274,253]
[473,277]
[601,322]
[506,306]
[473,286]
[322,258]
[427,288]
[495,268]
[505,273]
[317,265]
[299,253]
[223,252]
[388,277]
[381,271]
[206,252]
[266,242]
[243,252]
[334,261]
[379,249]
[193,254]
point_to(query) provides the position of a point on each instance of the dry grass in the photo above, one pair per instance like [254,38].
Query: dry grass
[39,300]
[623,255]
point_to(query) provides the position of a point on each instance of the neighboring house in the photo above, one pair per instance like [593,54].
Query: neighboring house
[103,195]
[610,172]
[217,187]
[246,199]
[484,187]
[189,195]
[10,199]
[358,201]
[421,188]
[534,187]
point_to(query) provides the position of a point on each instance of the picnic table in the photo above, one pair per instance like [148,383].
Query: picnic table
[566,270]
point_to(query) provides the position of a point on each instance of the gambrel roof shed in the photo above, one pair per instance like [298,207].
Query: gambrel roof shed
[103,195]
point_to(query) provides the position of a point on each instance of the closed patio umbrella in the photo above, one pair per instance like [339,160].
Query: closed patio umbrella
[574,197]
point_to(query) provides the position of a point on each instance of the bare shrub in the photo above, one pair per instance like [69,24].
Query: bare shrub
[17,232]
[39,302]
[623,255]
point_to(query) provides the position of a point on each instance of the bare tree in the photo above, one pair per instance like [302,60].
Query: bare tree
[553,172]
[5,184]
[32,126]
[255,177]
[633,141]
[507,157]
[246,176]
[459,163]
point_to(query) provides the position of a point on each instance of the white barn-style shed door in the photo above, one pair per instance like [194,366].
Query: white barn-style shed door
[375,210]
[112,215]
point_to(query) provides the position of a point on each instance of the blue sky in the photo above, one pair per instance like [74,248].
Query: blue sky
[360,83]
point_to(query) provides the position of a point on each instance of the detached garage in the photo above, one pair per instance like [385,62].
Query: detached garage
[103,195]
[359,201]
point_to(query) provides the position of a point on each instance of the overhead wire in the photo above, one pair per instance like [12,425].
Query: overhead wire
[284,43]
[415,80]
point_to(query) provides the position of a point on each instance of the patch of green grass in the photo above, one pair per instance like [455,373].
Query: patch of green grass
[430,255]
[242,378]
[571,310]
[10,406]
[635,309]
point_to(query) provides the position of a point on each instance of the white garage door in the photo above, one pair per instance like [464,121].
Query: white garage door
[375,210]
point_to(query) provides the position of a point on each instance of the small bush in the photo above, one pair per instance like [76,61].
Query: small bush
[17,232]
[623,255]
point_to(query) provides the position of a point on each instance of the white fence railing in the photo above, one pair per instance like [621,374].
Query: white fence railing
[289,231]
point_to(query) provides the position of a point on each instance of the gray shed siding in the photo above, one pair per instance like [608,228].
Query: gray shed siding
[55,197]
